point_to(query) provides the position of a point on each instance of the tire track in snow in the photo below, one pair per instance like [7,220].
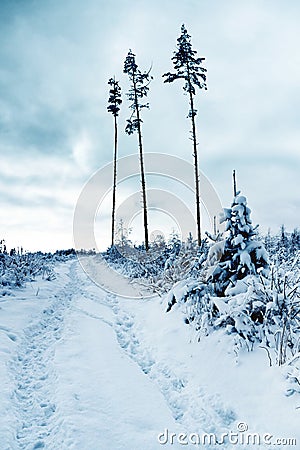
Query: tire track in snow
[39,424]
[191,406]
[92,316]
[83,284]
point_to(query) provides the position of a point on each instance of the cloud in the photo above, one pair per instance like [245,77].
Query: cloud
[56,58]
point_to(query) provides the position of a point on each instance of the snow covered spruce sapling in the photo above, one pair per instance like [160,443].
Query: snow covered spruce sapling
[239,254]
[238,266]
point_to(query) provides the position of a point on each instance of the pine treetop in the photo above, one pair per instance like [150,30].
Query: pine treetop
[187,65]
[140,80]
[114,100]
[139,89]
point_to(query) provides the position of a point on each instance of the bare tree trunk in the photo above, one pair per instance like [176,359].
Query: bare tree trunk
[113,215]
[143,180]
[215,226]
[197,189]
[234,184]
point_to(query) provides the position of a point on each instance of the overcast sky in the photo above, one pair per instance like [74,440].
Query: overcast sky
[55,60]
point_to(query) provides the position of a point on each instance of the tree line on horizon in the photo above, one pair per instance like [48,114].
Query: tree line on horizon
[187,67]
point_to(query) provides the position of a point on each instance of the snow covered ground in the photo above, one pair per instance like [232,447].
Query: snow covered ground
[84,369]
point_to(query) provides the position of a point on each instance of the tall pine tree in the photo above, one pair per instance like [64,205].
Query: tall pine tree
[139,87]
[189,68]
[114,102]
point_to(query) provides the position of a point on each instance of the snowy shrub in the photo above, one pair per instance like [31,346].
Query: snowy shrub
[241,314]
[18,268]
[133,262]
[162,265]
[283,246]
[184,263]
[254,314]
[283,315]
[194,298]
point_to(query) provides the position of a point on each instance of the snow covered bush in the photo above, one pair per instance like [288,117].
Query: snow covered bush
[194,298]
[185,263]
[17,268]
[283,246]
[162,265]
[135,262]
[241,314]
[263,313]
[124,261]
[283,314]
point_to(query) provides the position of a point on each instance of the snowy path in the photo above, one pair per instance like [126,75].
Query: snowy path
[110,280]
[189,405]
[116,406]
[73,386]
[90,370]
[35,376]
